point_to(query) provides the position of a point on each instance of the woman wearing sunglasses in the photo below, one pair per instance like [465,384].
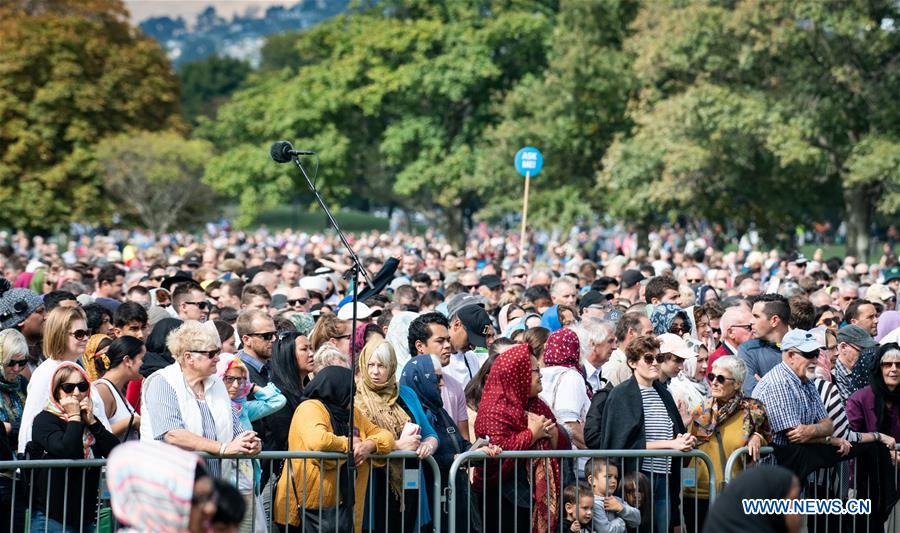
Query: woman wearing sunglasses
[65,339]
[68,429]
[721,424]
[13,359]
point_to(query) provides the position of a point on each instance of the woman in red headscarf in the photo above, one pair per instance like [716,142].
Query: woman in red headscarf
[514,418]
[565,390]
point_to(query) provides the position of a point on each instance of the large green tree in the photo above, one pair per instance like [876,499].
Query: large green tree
[396,102]
[763,112]
[155,178]
[207,84]
[71,73]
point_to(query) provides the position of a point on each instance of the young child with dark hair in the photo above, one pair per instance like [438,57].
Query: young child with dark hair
[230,508]
[611,513]
[578,501]
[637,490]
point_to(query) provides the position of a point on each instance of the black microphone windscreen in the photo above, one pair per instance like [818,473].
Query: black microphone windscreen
[281,152]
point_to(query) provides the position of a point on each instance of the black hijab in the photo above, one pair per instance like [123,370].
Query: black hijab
[331,386]
[764,481]
[158,355]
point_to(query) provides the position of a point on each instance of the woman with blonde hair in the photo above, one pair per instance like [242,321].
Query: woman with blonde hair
[65,339]
[186,405]
[331,329]
[13,385]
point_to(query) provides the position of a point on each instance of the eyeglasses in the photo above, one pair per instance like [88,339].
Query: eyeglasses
[212,354]
[807,355]
[658,358]
[299,301]
[717,378]
[748,327]
[699,280]
[203,306]
[829,321]
[471,288]
[17,362]
[203,499]
[230,380]
[69,388]
[158,278]
[717,331]
[890,364]
[80,334]
[677,328]
[264,335]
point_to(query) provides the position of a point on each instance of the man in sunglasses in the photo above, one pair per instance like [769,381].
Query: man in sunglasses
[257,332]
[189,300]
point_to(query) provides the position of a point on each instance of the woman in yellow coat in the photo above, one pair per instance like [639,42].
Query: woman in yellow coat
[321,423]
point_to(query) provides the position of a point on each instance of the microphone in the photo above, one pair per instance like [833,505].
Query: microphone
[283,152]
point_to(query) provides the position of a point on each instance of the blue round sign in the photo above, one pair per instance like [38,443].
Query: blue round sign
[529,161]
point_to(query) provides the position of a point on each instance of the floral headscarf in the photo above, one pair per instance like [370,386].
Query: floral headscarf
[664,315]
[710,415]
[90,355]
[563,349]
[226,363]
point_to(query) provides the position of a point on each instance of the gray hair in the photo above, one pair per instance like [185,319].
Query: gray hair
[734,365]
[329,355]
[557,285]
[12,342]
[192,335]
[591,332]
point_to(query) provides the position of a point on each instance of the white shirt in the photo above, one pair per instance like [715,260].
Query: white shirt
[593,375]
[565,392]
[616,370]
[464,366]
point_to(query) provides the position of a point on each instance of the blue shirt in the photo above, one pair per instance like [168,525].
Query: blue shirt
[760,356]
[789,402]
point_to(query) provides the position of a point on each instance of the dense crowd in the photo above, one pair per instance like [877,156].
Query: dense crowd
[233,343]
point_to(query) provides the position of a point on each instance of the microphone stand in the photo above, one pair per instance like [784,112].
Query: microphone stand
[353,275]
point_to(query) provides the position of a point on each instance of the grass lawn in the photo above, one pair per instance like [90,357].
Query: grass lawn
[301,219]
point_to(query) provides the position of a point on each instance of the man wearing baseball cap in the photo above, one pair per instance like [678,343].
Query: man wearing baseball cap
[470,327]
[796,412]
[630,289]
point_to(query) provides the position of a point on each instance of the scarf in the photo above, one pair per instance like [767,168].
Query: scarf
[303,322]
[881,391]
[90,356]
[700,294]
[53,405]
[419,376]
[379,402]
[550,319]
[226,363]
[887,322]
[331,386]
[11,409]
[663,315]
[563,349]
[709,416]
[151,485]
[503,411]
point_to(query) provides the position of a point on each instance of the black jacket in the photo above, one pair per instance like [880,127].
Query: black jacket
[63,440]
[623,429]
[593,424]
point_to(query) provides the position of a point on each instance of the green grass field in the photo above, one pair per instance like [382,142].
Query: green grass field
[301,219]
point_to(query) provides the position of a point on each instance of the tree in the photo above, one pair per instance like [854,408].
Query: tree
[395,108]
[156,178]
[73,72]
[207,84]
[762,112]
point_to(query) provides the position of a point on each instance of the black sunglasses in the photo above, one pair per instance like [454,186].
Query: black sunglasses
[658,358]
[299,301]
[203,306]
[208,353]
[720,378]
[80,334]
[69,388]
[17,362]
[266,335]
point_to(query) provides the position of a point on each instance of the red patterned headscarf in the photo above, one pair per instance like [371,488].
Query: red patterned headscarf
[503,416]
[563,349]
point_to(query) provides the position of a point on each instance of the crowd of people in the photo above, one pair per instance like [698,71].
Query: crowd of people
[235,343]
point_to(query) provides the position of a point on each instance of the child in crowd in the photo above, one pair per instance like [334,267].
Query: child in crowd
[578,501]
[637,488]
[611,513]
[230,508]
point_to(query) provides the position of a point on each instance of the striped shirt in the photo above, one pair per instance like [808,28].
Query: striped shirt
[657,426]
[834,406]
[166,416]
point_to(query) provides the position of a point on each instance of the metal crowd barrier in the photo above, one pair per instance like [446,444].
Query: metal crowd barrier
[18,478]
[842,481]
[569,459]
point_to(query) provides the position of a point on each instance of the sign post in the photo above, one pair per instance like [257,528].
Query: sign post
[529,162]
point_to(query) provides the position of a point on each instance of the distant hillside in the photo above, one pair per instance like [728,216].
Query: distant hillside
[241,37]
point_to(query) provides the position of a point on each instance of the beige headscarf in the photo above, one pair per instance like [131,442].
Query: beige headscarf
[379,402]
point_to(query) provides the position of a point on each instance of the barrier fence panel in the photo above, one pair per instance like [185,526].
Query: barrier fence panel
[540,490]
[73,492]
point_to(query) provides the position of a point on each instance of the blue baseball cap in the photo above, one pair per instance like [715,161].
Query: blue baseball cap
[800,339]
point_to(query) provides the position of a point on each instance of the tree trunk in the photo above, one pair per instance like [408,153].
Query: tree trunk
[454,225]
[858,207]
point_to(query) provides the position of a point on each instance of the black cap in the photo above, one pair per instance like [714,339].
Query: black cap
[476,321]
[594,298]
[630,278]
[179,277]
[490,281]
[192,259]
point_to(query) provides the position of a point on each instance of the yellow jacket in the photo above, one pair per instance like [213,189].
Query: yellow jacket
[311,431]
[732,439]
